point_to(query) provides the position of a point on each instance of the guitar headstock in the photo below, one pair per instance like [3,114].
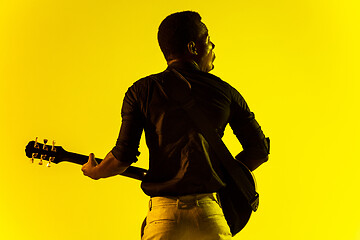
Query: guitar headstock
[50,153]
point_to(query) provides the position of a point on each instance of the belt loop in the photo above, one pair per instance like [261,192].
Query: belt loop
[217,199]
[150,204]
[177,202]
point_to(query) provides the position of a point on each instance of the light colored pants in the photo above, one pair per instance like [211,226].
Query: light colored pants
[197,216]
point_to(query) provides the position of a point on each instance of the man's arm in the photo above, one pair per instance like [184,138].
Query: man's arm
[110,166]
[125,151]
[256,147]
[251,163]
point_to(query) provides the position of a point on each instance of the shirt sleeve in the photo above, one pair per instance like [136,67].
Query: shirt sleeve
[127,144]
[247,129]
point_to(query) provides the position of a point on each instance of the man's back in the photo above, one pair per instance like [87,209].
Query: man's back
[181,161]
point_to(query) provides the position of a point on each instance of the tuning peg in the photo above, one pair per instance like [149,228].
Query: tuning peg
[53,149]
[34,155]
[42,157]
[50,160]
[45,147]
[36,145]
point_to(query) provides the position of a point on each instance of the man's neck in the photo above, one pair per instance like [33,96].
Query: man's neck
[179,60]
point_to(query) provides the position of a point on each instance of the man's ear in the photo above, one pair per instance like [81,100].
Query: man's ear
[192,48]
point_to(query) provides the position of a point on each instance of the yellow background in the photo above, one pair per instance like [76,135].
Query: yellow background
[64,69]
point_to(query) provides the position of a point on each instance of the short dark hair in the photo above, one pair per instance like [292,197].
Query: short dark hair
[176,31]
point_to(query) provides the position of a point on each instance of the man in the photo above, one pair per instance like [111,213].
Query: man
[184,173]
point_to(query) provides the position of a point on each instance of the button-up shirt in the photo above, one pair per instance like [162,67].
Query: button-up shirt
[180,159]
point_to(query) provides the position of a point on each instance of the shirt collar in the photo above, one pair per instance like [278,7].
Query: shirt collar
[184,65]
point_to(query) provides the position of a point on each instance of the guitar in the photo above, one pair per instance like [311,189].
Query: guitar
[57,154]
[235,206]
[236,209]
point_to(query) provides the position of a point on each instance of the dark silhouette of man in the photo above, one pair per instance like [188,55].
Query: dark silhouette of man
[184,173]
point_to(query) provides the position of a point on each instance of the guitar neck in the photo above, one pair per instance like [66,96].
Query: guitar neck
[131,172]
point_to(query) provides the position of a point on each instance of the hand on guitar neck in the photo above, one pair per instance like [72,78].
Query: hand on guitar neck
[108,167]
[93,167]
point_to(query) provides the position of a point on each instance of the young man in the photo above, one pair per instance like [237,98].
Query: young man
[184,173]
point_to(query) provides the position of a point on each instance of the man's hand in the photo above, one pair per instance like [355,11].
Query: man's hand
[108,167]
[90,167]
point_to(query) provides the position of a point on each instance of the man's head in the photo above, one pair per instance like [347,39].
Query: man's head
[182,36]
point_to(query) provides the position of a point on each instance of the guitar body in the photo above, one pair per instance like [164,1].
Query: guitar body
[236,208]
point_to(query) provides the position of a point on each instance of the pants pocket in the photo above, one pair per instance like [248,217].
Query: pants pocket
[161,214]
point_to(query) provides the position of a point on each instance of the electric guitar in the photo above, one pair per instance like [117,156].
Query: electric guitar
[235,206]
[57,154]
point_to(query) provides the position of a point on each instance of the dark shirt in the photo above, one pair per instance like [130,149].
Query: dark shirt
[180,159]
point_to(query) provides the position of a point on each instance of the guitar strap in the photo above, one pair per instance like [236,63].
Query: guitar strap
[181,93]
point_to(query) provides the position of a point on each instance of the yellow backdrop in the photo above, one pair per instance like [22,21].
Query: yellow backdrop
[64,69]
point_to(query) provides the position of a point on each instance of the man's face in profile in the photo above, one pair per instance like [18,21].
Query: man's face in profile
[206,56]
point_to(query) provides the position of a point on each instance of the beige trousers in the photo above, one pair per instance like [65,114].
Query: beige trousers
[197,216]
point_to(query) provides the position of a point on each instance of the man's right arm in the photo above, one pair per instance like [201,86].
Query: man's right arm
[256,146]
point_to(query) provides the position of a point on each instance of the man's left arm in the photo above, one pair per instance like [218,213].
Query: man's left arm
[110,166]
[125,151]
